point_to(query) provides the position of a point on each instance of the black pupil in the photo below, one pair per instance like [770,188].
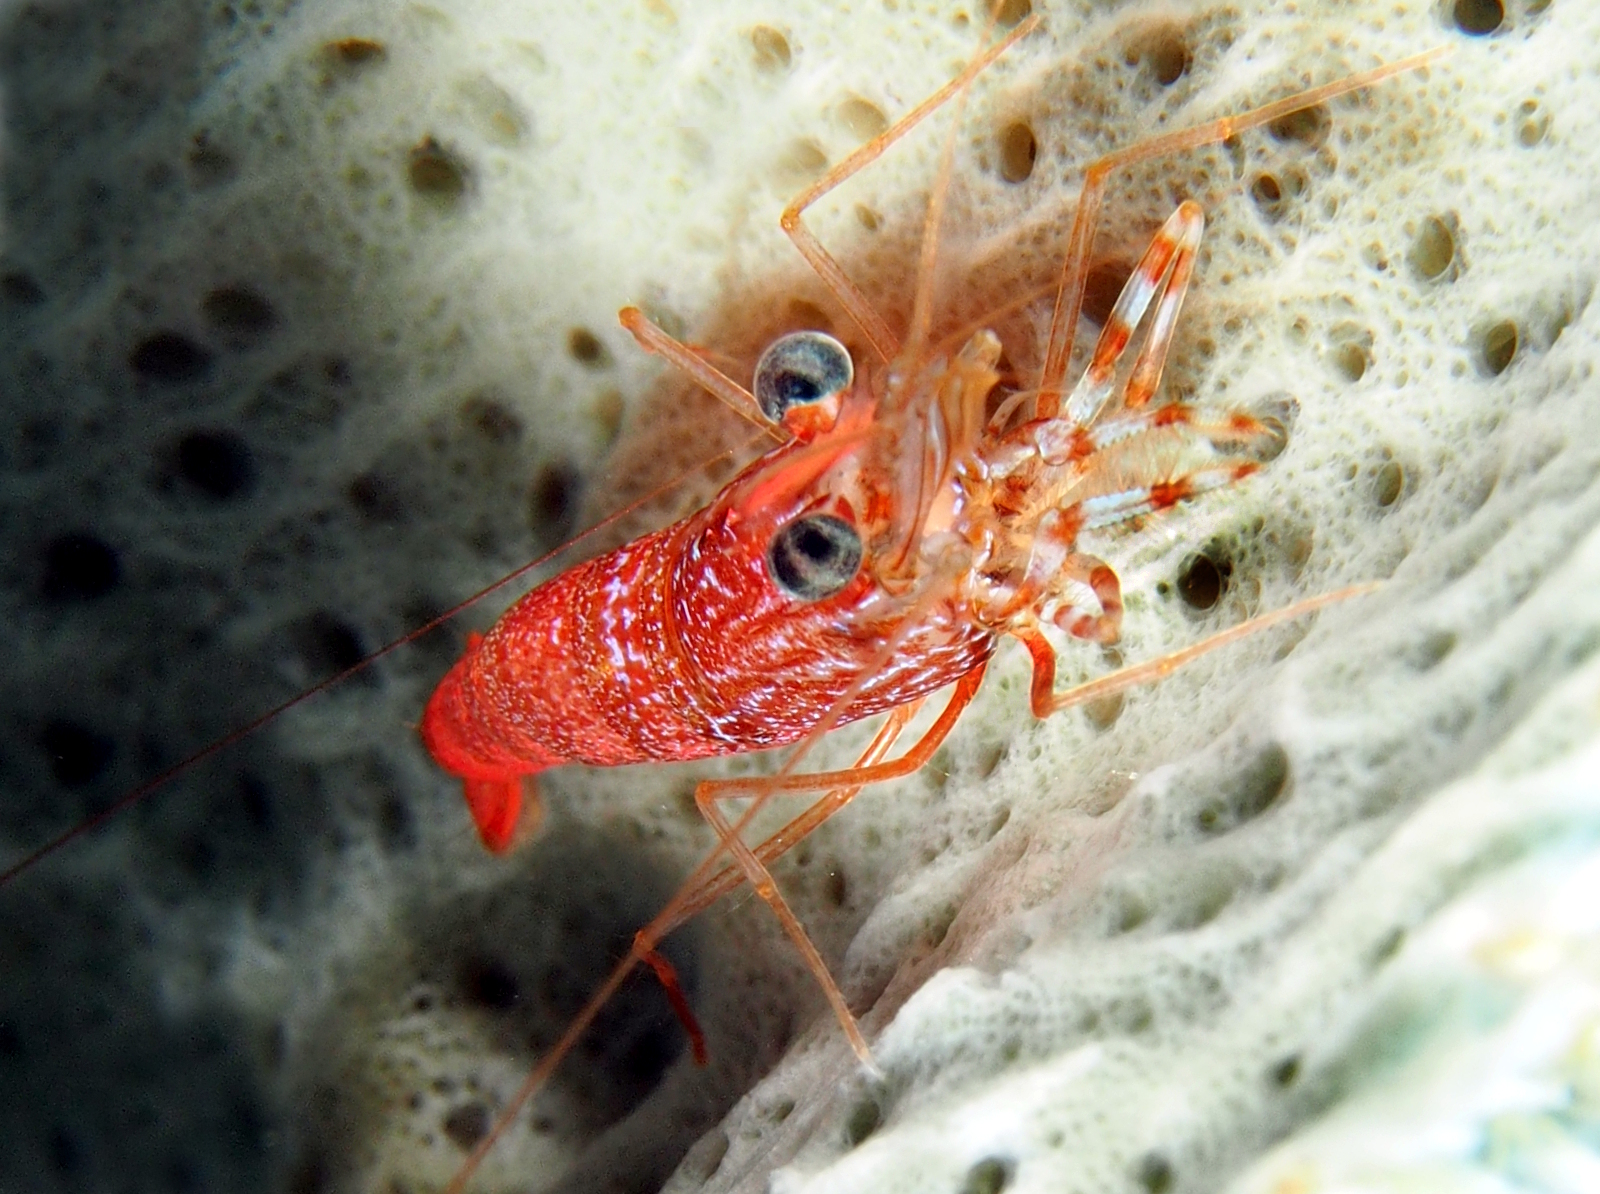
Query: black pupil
[814,545]
[795,389]
[814,557]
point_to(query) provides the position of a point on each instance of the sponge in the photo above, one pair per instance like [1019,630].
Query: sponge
[310,333]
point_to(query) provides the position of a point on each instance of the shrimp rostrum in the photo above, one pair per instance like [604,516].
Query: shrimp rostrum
[877,555]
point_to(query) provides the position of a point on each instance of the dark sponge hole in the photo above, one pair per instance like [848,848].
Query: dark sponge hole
[586,348]
[217,463]
[328,645]
[1497,346]
[988,1176]
[1352,358]
[20,288]
[553,500]
[436,172]
[337,371]
[1274,194]
[1019,150]
[356,51]
[1308,126]
[772,53]
[378,499]
[1203,579]
[1102,286]
[169,357]
[1388,483]
[491,419]
[649,1052]
[1154,1173]
[1433,251]
[1255,787]
[311,1174]
[1164,51]
[1267,194]
[864,1119]
[1008,14]
[467,1124]
[489,983]
[1477,18]
[77,754]
[238,311]
[79,567]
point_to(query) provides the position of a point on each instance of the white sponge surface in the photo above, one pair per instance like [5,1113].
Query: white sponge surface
[311,333]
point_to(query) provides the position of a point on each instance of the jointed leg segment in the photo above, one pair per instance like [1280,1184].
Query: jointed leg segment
[692,365]
[850,296]
[1044,700]
[711,880]
[1074,268]
[851,780]
[1161,277]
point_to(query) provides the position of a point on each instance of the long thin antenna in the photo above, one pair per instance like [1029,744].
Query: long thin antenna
[83,828]
[928,256]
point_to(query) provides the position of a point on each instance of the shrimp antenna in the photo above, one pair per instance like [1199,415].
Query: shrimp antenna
[928,257]
[86,827]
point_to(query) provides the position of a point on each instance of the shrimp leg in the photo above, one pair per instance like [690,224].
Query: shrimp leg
[1074,268]
[1045,700]
[707,883]
[691,902]
[688,362]
[850,296]
[710,792]
[700,891]
[1162,276]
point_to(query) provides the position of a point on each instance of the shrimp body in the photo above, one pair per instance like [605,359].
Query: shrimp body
[875,558]
[881,553]
[684,644]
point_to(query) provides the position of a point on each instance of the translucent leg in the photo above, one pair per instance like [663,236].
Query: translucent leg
[850,296]
[690,902]
[711,879]
[1218,425]
[718,384]
[1074,268]
[711,792]
[1162,277]
[1098,577]
[1140,500]
[1045,700]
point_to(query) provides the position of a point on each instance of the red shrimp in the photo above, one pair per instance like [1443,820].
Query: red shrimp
[877,556]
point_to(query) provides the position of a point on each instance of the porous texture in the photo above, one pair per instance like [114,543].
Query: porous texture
[309,332]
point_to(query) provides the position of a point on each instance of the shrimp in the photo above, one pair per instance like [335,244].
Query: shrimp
[966,528]
[877,556]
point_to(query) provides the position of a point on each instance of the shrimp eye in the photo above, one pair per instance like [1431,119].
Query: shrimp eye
[814,556]
[802,369]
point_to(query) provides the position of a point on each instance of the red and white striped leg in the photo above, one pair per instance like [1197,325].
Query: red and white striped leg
[1056,568]
[1161,277]
[1137,501]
